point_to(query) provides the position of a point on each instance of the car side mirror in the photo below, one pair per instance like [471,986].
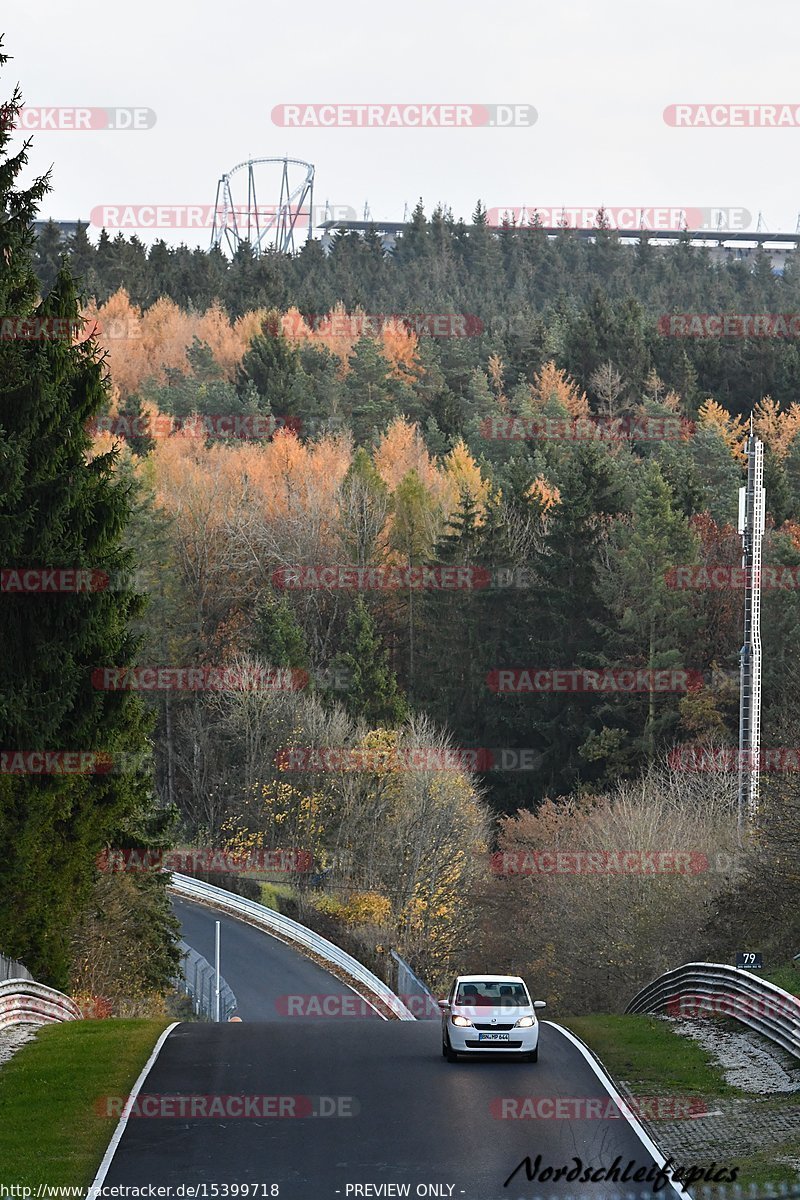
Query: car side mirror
[540,1004]
[442,1004]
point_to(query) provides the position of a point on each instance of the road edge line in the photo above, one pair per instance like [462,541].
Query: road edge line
[116,1137]
[630,1117]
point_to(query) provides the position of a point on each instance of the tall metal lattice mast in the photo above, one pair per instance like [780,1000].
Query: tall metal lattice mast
[751,527]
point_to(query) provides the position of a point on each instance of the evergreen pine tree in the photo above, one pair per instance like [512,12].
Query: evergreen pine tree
[372,694]
[58,509]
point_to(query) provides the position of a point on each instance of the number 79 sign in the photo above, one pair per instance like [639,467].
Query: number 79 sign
[749,960]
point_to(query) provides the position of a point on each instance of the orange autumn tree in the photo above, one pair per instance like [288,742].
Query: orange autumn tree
[546,494]
[205,502]
[402,449]
[776,428]
[400,457]
[226,341]
[248,325]
[336,331]
[733,430]
[399,346]
[553,384]
[118,325]
[143,346]
[291,489]
[240,511]
[339,332]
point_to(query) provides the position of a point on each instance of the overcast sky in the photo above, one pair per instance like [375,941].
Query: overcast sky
[599,76]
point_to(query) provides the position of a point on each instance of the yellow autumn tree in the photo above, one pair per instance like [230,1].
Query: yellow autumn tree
[248,325]
[496,370]
[464,475]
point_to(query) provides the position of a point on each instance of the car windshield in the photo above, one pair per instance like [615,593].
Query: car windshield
[487,993]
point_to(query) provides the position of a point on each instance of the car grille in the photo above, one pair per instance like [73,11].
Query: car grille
[474,1044]
[499,1028]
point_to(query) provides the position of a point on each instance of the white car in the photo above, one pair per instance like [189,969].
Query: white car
[490,1014]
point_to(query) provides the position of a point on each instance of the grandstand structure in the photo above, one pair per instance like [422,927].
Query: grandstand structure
[723,245]
[739,245]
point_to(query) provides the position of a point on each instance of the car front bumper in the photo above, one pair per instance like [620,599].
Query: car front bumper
[467,1040]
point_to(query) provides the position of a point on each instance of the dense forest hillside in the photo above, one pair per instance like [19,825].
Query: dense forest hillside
[469,508]
[580,302]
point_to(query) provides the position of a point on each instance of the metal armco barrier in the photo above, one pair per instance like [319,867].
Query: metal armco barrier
[199,982]
[291,931]
[713,988]
[11,969]
[23,1002]
[419,998]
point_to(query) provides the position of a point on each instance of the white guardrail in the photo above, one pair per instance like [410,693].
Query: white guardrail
[24,1002]
[289,931]
[700,989]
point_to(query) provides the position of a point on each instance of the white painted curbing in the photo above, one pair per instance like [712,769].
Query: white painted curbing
[636,1125]
[102,1170]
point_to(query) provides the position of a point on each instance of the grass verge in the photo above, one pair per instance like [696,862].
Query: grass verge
[650,1059]
[50,1129]
[787,977]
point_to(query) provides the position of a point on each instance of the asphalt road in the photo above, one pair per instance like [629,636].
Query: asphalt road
[269,979]
[326,1109]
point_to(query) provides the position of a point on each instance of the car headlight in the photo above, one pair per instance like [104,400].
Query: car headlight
[459,1020]
[524,1023]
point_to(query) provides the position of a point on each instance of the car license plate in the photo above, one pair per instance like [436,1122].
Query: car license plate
[493,1037]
